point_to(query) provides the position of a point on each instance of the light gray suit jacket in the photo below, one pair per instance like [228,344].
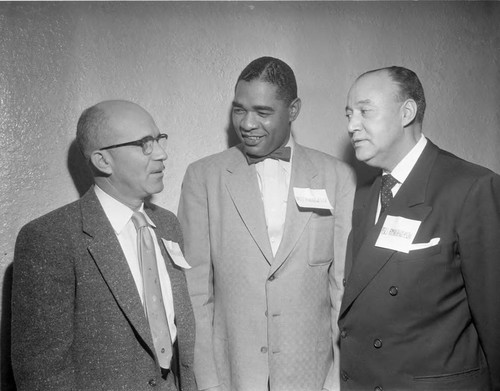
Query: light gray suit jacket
[261,317]
[77,318]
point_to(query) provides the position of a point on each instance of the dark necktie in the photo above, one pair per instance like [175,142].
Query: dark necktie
[153,299]
[282,153]
[388,182]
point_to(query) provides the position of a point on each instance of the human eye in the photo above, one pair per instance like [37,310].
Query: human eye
[238,110]
[365,111]
[348,114]
[264,113]
[147,144]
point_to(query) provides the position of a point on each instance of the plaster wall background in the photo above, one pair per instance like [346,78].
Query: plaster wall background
[179,60]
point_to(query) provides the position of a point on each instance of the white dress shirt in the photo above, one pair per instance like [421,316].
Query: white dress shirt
[403,169]
[274,182]
[119,215]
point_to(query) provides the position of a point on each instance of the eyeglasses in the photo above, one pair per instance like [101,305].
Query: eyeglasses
[146,143]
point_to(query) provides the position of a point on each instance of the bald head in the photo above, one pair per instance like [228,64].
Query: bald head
[100,125]
[111,135]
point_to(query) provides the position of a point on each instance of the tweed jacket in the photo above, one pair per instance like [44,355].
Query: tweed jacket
[77,318]
[428,319]
[264,318]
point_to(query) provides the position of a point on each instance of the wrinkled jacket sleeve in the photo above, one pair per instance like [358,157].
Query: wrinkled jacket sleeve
[193,215]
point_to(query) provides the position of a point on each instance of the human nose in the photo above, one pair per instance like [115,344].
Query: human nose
[159,152]
[353,124]
[248,121]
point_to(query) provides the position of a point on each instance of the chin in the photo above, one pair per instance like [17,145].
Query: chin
[155,189]
[253,151]
[364,157]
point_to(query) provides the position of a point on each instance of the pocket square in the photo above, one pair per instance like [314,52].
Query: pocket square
[421,246]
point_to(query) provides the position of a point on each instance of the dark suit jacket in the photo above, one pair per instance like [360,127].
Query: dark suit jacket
[77,318]
[429,319]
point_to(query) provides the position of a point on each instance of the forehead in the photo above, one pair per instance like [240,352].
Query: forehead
[373,88]
[130,123]
[255,91]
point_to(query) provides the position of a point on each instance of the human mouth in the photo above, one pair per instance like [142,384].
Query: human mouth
[158,172]
[251,140]
[357,142]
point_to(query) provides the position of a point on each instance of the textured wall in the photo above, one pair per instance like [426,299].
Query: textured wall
[180,61]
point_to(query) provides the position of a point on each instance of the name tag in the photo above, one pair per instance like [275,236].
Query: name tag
[175,253]
[312,198]
[398,233]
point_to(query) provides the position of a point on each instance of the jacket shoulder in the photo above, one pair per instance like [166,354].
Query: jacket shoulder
[58,219]
[455,166]
[325,161]
[218,160]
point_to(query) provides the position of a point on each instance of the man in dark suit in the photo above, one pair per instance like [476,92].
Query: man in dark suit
[266,235]
[79,314]
[421,309]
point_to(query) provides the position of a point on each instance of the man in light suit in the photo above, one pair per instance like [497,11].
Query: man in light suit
[266,240]
[78,320]
[421,308]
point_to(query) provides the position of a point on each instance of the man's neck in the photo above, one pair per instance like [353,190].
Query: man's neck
[106,186]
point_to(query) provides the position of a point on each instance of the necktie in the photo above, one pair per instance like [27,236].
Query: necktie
[388,182]
[153,299]
[282,153]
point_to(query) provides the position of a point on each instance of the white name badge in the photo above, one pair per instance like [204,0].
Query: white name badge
[312,198]
[175,253]
[398,233]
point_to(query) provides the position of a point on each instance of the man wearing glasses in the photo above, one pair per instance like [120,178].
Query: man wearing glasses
[99,298]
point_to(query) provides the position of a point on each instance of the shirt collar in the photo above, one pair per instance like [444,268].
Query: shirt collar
[404,167]
[117,213]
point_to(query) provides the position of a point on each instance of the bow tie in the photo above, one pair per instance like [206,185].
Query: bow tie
[282,153]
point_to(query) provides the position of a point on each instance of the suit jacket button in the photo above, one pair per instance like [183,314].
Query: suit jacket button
[152,383]
[343,333]
[393,290]
[343,281]
[377,343]
[344,375]
[263,349]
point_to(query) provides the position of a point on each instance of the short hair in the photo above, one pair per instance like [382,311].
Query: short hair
[409,87]
[88,129]
[273,71]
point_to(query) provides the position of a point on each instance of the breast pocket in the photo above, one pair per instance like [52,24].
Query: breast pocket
[320,239]
[423,253]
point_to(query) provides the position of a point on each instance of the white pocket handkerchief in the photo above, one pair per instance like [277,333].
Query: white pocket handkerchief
[175,253]
[421,246]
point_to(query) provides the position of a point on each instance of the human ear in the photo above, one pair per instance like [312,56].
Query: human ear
[101,161]
[409,112]
[294,109]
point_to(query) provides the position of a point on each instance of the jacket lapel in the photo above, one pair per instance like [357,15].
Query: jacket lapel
[243,188]
[107,253]
[408,203]
[304,175]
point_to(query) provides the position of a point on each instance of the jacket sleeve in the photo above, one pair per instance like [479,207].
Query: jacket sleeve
[43,292]
[343,215]
[193,215]
[479,246]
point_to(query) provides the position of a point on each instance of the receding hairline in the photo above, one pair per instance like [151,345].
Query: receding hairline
[381,72]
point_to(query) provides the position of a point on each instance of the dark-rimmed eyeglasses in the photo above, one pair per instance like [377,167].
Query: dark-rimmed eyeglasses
[146,143]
